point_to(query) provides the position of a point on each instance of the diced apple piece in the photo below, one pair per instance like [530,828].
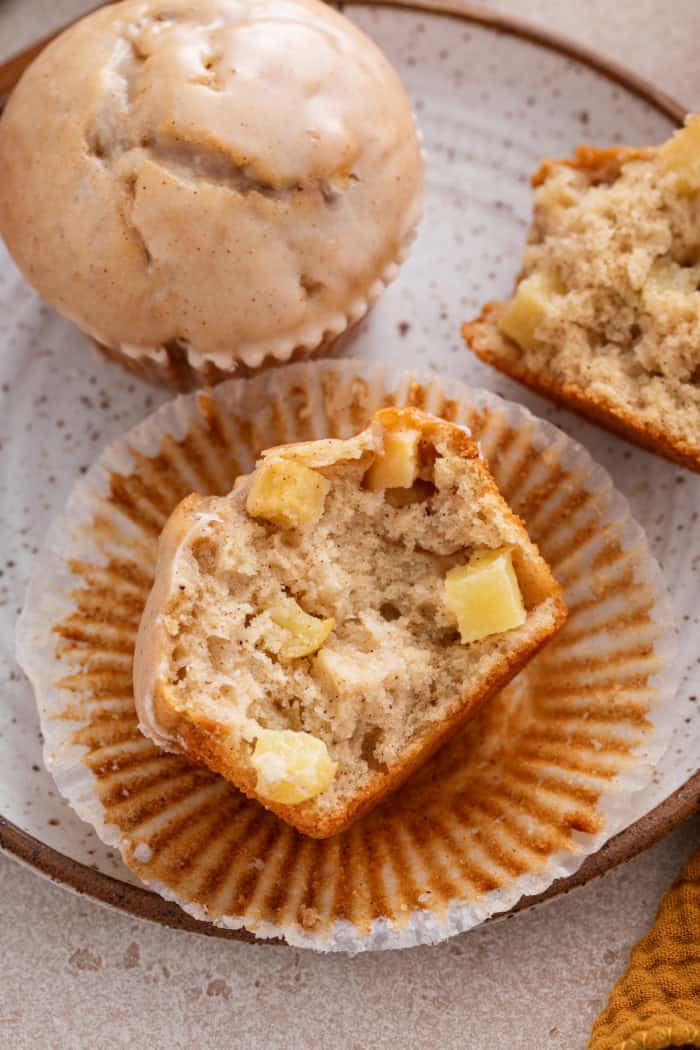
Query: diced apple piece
[396,466]
[529,307]
[484,595]
[681,155]
[291,766]
[349,671]
[667,276]
[304,634]
[287,493]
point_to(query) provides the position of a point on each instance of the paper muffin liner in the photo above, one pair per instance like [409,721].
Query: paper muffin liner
[545,773]
[176,365]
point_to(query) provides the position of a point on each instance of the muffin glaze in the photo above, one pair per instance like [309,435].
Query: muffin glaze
[225,179]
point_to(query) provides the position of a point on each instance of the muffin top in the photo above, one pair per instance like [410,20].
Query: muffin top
[235,178]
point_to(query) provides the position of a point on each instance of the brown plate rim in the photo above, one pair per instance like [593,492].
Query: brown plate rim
[143,903]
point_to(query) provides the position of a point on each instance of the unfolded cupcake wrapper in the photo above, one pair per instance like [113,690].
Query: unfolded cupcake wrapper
[538,780]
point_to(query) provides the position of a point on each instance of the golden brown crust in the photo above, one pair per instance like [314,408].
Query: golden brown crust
[433,430]
[205,742]
[601,163]
[153,707]
[605,163]
[202,741]
[596,409]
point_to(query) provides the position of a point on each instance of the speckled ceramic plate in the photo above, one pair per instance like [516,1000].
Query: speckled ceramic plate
[538,780]
[491,100]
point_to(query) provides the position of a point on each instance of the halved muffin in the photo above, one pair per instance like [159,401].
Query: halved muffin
[316,634]
[606,313]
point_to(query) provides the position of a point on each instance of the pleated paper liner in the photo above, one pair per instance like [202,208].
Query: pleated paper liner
[539,780]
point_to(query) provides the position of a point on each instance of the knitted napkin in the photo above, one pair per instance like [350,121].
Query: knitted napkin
[656,1004]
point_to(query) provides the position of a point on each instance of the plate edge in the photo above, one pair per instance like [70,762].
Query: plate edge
[142,903]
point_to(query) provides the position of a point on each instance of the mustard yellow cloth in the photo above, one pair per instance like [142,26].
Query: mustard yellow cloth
[656,1004]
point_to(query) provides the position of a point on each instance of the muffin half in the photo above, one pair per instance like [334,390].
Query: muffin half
[206,185]
[318,633]
[606,313]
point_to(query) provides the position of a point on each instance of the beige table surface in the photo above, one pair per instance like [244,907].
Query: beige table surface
[76,976]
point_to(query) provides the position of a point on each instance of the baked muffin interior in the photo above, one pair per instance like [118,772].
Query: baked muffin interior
[607,302]
[343,626]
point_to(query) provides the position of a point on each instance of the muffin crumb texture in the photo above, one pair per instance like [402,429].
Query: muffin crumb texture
[607,307]
[341,627]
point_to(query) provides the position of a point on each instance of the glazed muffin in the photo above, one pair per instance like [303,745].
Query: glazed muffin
[606,314]
[207,185]
[318,633]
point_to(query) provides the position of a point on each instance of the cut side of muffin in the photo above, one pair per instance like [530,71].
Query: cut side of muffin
[606,313]
[315,635]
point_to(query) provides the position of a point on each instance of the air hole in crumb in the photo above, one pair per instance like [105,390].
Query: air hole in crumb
[218,649]
[450,636]
[292,541]
[181,674]
[434,695]
[427,454]
[389,611]
[294,719]
[686,256]
[204,553]
[370,742]
[235,582]
[419,492]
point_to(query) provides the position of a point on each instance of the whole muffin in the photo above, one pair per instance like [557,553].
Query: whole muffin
[202,185]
